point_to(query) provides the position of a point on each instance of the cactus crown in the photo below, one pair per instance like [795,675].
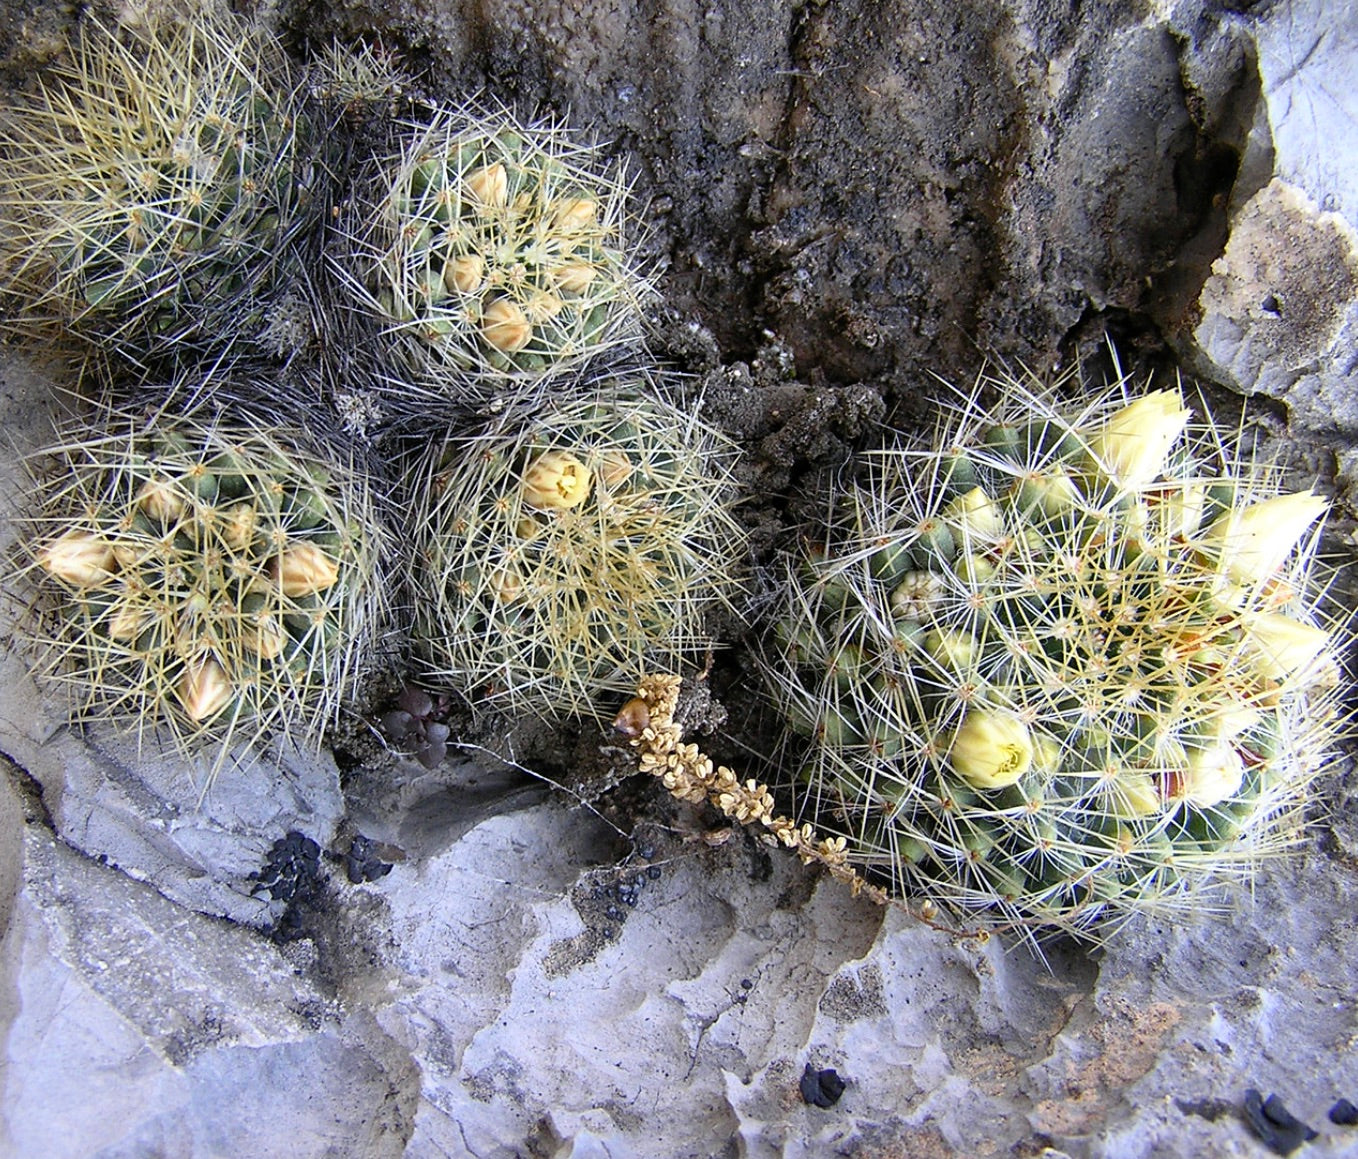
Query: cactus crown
[150,185]
[554,559]
[214,579]
[491,249]
[1060,665]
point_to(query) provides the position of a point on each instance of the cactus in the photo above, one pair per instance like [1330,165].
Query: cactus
[216,579]
[1061,665]
[553,559]
[491,250]
[150,187]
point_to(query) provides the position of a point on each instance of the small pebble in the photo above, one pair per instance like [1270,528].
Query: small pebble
[1280,1130]
[821,1088]
[1344,1114]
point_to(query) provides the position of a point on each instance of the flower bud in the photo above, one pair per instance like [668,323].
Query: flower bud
[573,277]
[505,326]
[1251,543]
[1278,645]
[952,649]
[160,500]
[1211,775]
[556,481]
[991,748]
[575,213]
[81,558]
[488,185]
[1135,794]
[303,569]
[238,523]
[464,274]
[127,621]
[1133,445]
[204,689]
[542,306]
[1181,507]
[1050,493]
[975,514]
[264,636]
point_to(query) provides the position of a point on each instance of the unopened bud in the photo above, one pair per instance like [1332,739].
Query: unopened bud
[1211,775]
[238,523]
[975,514]
[303,569]
[1278,645]
[465,274]
[505,326]
[81,558]
[575,213]
[574,277]
[488,185]
[204,689]
[1133,446]
[264,636]
[1252,543]
[160,500]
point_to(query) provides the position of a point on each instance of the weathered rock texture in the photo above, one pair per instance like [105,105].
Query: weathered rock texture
[843,197]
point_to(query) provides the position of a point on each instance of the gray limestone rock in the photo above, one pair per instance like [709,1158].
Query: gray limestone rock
[843,197]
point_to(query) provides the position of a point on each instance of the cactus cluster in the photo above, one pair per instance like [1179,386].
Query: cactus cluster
[493,250]
[149,188]
[555,560]
[1059,664]
[208,576]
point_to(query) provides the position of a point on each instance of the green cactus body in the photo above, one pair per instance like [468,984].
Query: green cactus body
[557,561]
[496,249]
[152,185]
[1068,666]
[216,580]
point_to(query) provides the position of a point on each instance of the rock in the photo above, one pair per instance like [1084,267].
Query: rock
[845,198]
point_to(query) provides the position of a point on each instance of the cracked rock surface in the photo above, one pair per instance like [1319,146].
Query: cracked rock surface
[313,959]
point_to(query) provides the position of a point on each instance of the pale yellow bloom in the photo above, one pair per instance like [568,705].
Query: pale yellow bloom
[556,481]
[1278,645]
[80,558]
[1251,544]
[1211,775]
[1134,444]
[991,748]
[975,514]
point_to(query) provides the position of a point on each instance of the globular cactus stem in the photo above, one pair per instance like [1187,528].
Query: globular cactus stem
[219,581]
[1062,663]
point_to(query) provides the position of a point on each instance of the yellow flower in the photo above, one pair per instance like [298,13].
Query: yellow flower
[975,514]
[556,481]
[1211,775]
[81,558]
[1251,544]
[1278,645]
[991,748]
[1133,445]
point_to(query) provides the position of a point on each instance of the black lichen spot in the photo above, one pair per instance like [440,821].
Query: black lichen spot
[1344,1114]
[291,874]
[363,863]
[821,1088]
[1280,1130]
